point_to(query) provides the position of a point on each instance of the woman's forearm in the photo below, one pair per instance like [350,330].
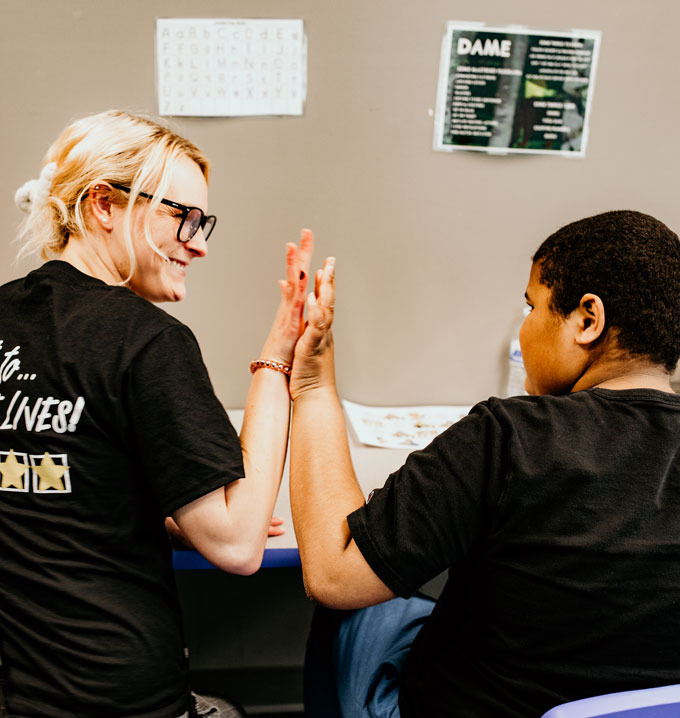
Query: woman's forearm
[264,434]
[229,526]
[264,440]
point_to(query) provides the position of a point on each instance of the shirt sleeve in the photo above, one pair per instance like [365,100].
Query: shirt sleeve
[432,510]
[186,444]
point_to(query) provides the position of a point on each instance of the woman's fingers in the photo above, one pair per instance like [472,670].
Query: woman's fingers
[292,271]
[306,249]
[275,527]
[298,259]
[304,258]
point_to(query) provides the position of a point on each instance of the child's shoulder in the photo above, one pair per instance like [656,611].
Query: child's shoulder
[594,405]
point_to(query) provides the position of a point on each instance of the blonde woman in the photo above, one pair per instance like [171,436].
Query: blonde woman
[110,424]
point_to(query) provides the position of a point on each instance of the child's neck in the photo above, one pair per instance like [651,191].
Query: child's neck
[626,375]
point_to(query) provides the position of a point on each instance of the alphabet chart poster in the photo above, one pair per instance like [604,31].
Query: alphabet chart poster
[511,90]
[230,67]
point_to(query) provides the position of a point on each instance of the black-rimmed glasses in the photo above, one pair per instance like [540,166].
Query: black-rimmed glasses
[193,218]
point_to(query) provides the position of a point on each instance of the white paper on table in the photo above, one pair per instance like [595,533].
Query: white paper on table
[404,427]
[230,67]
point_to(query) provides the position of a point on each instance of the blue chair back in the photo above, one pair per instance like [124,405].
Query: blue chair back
[661,702]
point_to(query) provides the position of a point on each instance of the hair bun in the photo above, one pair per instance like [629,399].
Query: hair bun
[34,193]
[24,196]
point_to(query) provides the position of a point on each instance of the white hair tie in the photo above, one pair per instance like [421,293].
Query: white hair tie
[34,193]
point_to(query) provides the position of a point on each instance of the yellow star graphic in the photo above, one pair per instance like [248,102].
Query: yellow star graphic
[12,472]
[50,474]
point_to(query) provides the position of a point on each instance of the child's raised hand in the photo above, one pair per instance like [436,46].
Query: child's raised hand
[313,365]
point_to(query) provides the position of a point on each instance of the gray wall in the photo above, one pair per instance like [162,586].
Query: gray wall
[433,249]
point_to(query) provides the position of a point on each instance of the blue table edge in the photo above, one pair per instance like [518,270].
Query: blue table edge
[273,558]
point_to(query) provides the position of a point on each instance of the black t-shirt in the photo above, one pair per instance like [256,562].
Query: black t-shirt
[559,518]
[108,422]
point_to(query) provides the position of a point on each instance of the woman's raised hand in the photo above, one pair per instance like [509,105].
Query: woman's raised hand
[289,320]
[313,365]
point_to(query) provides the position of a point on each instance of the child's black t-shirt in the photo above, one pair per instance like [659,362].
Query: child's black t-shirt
[108,422]
[559,518]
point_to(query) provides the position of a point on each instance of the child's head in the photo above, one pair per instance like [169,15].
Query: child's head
[631,261]
[605,293]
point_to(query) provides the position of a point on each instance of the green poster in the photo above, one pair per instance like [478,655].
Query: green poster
[512,90]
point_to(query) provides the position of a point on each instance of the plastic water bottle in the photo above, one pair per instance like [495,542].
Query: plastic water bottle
[516,373]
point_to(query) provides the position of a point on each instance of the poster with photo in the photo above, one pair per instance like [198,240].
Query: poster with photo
[513,90]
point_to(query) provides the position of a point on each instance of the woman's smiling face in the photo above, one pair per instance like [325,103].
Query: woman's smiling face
[156,278]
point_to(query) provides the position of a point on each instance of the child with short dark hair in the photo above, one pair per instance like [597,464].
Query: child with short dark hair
[557,514]
[631,261]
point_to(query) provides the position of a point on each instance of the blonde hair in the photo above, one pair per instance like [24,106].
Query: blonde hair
[114,147]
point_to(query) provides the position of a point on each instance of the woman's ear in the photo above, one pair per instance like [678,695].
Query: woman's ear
[99,203]
[589,319]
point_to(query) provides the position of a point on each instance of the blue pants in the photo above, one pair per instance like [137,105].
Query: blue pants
[355,658]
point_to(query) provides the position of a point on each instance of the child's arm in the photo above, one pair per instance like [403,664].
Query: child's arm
[323,486]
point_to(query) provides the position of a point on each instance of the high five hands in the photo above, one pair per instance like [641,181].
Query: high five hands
[289,320]
[308,346]
[313,363]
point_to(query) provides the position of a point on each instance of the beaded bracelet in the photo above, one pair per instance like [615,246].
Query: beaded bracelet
[269,364]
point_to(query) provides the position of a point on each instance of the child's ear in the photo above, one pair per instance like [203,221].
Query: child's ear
[589,318]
